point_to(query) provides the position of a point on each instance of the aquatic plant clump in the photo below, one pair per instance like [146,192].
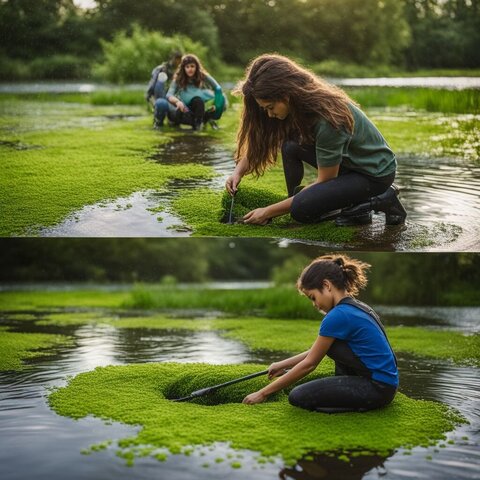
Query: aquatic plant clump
[139,395]
[195,208]
[16,347]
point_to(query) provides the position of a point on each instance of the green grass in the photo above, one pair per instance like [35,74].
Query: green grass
[44,300]
[137,395]
[15,348]
[429,99]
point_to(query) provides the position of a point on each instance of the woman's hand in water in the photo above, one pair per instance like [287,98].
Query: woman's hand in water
[276,370]
[232,183]
[255,397]
[259,216]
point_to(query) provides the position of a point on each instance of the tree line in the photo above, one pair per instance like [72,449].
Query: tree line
[395,278]
[409,34]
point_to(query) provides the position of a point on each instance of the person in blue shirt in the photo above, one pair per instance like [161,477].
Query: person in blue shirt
[366,374]
[194,95]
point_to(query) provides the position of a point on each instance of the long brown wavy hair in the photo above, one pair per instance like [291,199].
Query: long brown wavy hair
[183,79]
[273,77]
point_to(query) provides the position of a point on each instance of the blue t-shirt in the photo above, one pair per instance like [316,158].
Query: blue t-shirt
[365,338]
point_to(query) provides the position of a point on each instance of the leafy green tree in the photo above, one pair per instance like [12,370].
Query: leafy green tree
[131,57]
[445,33]
[43,27]
[170,17]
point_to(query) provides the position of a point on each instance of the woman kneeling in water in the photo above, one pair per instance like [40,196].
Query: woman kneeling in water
[289,108]
[366,374]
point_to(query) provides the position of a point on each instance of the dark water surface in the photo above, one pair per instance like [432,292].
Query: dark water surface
[442,198]
[37,443]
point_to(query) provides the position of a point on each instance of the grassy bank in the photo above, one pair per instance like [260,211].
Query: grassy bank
[428,99]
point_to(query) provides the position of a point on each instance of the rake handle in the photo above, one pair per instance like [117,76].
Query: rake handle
[205,391]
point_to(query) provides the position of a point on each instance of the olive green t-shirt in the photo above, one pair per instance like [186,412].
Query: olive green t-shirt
[365,151]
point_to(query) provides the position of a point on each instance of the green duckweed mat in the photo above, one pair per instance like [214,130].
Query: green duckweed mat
[17,347]
[297,335]
[139,395]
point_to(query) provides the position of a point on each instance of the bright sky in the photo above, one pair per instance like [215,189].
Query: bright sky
[84,3]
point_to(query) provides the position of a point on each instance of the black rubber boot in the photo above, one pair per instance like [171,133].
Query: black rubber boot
[387,202]
[357,216]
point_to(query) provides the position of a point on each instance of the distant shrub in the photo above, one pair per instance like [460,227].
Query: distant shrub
[168,281]
[131,57]
[54,67]
[290,270]
[61,67]
[13,69]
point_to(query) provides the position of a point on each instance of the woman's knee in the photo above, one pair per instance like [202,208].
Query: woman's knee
[197,102]
[161,105]
[299,209]
[295,397]
[289,150]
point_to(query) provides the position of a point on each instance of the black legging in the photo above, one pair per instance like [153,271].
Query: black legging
[349,188]
[195,114]
[350,390]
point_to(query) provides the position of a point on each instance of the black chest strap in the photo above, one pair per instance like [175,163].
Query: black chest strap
[369,311]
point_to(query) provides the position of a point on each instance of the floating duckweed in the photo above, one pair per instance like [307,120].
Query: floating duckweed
[219,460]
[205,465]
[343,458]
[82,166]
[161,457]
[97,447]
[236,465]
[17,347]
[136,395]
[298,334]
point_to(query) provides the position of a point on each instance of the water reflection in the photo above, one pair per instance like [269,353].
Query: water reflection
[143,214]
[330,467]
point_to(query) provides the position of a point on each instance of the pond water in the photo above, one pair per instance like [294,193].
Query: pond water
[443,203]
[451,83]
[35,442]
